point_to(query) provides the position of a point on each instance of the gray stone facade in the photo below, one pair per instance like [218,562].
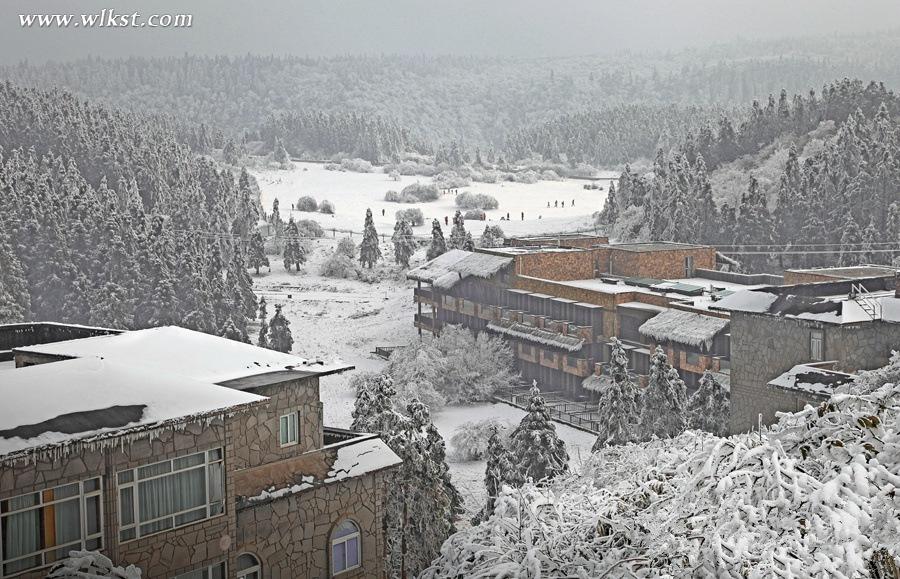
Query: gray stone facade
[764,346]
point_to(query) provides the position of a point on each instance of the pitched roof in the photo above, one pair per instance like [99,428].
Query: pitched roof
[178,350]
[55,404]
[447,269]
[683,328]
[536,335]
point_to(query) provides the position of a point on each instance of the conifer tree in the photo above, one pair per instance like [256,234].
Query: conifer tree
[709,406]
[15,302]
[280,337]
[404,243]
[501,470]
[664,402]
[280,154]
[619,403]
[369,252]
[263,311]
[850,240]
[262,339]
[457,233]
[540,452]
[468,243]
[257,253]
[294,253]
[438,245]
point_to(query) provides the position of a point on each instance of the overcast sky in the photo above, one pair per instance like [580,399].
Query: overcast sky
[479,27]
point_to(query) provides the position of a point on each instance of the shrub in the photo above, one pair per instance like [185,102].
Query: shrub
[451,179]
[457,365]
[392,197]
[309,228]
[467,200]
[357,166]
[332,167]
[421,191]
[339,265]
[306,203]
[470,440]
[346,247]
[412,215]
[394,175]
[326,207]
[474,215]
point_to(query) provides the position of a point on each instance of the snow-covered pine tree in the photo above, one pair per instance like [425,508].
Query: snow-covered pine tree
[620,404]
[534,444]
[404,243]
[280,337]
[280,154]
[709,407]
[369,252]
[438,245]
[294,253]
[850,240]
[257,253]
[501,470]
[468,243]
[262,339]
[664,402]
[15,302]
[457,233]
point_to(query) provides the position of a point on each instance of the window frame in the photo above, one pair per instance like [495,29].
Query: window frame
[207,571]
[214,508]
[356,534]
[688,266]
[255,568]
[42,503]
[817,337]
[295,416]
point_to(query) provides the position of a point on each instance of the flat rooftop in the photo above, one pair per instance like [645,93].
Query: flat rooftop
[176,350]
[853,272]
[89,398]
[655,246]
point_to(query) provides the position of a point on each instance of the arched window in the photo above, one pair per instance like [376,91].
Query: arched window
[345,548]
[248,567]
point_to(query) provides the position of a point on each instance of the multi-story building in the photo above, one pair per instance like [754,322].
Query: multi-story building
[187,455]
[558,305]
[791,345]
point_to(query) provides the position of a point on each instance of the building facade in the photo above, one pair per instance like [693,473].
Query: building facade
[187,455]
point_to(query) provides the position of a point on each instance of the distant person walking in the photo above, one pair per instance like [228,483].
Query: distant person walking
[523,216]
[556,204]
[446,222]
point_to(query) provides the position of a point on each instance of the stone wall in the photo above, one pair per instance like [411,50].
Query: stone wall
[763,347]
[291,535]
[665,264]
[160,555]
[560,265]
[257,436]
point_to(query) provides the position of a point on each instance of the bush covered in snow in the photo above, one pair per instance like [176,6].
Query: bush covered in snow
[421,191]
[455,367]
[413,216]
[474,215]
[90,565]
[346,247]
[470,439]
[309,228]
[306,203]
[451,180]
[467,200]
[817,495]
[339,265]
[493,236]
[357,166]
[326,207]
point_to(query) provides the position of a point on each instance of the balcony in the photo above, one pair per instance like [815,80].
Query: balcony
[426,322]
[581,367]
[466,307]
[551,359]
[423,296]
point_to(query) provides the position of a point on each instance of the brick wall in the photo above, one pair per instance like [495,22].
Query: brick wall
[560,265]
[666,264]
[291,535]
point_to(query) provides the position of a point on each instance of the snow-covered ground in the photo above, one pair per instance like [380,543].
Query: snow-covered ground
[346,319]
[352,193]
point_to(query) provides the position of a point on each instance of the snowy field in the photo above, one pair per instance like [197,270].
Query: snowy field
[341,319]
[351,193]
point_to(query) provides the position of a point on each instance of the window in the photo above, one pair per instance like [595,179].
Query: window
[288,429]
[689,266]
[171,494]
[817,345]
[248,567]
[344,548]
[216,571]
[40,528]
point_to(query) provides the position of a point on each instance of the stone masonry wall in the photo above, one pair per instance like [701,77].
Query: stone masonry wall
[668,264]
[160,555]
[560,265]
[257,436]
[291,535]
[763,347]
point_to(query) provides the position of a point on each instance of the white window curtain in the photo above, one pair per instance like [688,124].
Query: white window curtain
[171,494]
[68,522]
[21,535]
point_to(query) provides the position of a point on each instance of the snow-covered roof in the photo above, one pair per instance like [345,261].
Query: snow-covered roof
[642,306]
[172,349]
[747,301]
[812,380]
[832,309]
[683,327]
[536,335]
[447,269]
[89,398]
[332,463]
